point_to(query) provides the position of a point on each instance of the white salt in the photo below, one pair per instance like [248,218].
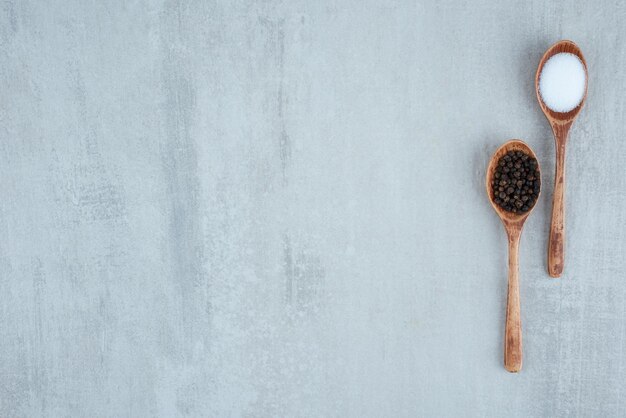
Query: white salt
[562,82]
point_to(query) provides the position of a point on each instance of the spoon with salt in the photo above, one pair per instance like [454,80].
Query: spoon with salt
[513,223]
[561,87]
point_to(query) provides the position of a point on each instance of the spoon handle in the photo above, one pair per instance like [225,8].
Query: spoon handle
[513,327]
[556,255]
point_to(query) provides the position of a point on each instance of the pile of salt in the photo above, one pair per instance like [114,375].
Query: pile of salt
[562,82]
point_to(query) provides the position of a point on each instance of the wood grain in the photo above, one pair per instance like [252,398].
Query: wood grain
[561,123]
[513,224]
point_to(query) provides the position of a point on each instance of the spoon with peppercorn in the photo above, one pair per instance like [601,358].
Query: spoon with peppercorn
[561,87]
[513,186]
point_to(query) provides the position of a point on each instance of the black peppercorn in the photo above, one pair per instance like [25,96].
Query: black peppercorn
[520,194]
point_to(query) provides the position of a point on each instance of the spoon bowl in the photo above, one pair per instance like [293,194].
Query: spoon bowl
[508,218]
[513,224]
[564,46]
[561,123]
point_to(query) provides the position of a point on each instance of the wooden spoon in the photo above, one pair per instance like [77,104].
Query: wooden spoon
[561,123]
[513,223]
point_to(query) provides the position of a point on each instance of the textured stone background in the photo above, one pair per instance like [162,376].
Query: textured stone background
[260,208]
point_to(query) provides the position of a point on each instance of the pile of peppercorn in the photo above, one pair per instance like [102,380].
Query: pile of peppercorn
[516,182]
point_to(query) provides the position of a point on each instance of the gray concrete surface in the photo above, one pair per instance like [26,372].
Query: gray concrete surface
[261,208]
